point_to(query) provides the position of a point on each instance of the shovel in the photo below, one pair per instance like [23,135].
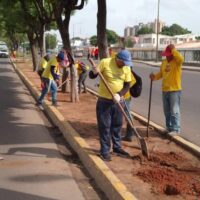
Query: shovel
[142,141]
[149,109]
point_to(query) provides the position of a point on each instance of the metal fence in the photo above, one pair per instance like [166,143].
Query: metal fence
[191,56]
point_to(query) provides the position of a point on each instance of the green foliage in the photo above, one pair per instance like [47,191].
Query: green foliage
[112,37]
[93,40]
[144,30]
[197,38]
[51,41]
[174,29]
[129,43]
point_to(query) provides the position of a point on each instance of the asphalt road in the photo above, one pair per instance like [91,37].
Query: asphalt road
[33,167]
[190,101]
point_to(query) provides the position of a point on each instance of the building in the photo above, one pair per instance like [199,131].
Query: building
[150,40]
[130,31]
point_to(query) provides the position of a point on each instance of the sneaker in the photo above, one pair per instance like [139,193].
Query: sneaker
[174,133]
[121,152]
[127,139]
[39,106]
[105,157]
[1,158]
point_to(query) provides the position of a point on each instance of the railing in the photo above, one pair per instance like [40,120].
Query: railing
[191,56]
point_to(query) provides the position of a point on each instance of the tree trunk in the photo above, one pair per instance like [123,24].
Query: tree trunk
[33,50]
[101,29]
[63,27]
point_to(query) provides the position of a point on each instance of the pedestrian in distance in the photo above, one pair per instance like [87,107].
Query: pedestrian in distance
[82,69]
[50,79]
[117,73]
[171,75]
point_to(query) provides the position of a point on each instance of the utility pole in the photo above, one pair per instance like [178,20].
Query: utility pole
[157,30]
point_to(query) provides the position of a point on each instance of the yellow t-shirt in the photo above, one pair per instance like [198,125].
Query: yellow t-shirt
[114,75]
[47,72]
[133,81]
[42,64]
[79,68]
[171,73]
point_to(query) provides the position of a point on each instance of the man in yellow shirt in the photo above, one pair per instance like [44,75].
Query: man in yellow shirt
[170,73]
[82,69]
[117,73]
[50,79]
[42,65]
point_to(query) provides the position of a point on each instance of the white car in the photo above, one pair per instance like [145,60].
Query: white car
[4,53]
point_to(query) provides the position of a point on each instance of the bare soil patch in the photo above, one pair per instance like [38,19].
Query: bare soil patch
[170,173]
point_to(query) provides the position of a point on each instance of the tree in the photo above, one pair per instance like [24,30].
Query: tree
[50,41]
[62,12]
[101,29]
[93,40]
[197,38]
[174,29]
[129,43]
[144,30]
[112,37]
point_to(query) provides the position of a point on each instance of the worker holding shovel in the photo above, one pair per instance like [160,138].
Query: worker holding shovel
[117,74]
[170,73]
[50,79]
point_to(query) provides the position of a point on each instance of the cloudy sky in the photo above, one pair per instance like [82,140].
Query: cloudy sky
[122,13]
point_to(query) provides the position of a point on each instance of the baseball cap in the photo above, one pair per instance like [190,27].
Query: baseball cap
[167,51]
[125,56]
[61,56]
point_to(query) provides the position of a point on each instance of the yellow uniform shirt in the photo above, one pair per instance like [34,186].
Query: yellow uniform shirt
[47,72]
[133,81]
[171,73]
[114,75]
[42,64]
[79,68]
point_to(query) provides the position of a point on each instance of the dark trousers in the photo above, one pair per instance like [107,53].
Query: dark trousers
[81,81]
[109,119]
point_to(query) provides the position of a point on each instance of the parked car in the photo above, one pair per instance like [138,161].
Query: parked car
[4,53]
[78,53]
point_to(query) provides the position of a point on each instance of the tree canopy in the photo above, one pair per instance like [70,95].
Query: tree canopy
[144,30]
[174,29]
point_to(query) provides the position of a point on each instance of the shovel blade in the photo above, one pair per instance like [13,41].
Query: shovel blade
[144,148]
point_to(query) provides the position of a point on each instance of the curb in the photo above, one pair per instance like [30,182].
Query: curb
[104,177]
[177,139]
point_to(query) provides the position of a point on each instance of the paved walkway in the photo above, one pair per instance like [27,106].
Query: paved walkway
[32,167]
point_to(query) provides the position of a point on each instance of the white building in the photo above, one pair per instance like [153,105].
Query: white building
[150,40]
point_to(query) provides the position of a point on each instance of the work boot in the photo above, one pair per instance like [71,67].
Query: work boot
[105,157]
[121,152]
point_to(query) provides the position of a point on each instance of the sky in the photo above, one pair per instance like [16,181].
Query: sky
[122,13]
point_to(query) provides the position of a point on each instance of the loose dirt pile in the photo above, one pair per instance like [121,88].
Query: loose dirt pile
[170,173]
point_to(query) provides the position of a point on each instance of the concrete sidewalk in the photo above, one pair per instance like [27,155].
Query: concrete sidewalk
[157,64]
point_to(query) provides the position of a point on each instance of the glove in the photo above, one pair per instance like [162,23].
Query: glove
[95,70]
[152,76]
[116,98]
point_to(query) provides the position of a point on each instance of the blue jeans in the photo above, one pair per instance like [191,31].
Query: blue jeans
[129,130]
[171,106]
[109,118]
[48,85]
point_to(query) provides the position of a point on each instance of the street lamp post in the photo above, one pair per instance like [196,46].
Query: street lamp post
[157,30]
